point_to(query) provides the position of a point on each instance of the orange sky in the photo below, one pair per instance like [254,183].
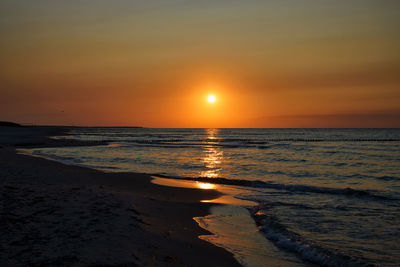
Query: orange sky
[153,63]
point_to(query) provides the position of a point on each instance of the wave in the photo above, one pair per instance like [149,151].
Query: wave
[388,178]
[348,192]
[293,242]
[292,188]
[70,161]
[223,140]
[62,159]
[264,141]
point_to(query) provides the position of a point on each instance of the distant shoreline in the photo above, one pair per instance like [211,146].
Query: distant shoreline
[9,124]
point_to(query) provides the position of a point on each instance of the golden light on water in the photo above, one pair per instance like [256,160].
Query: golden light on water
[205,185]
[213,155]
[212,161]
[226,198]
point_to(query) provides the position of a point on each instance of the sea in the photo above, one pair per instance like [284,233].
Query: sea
[296,197]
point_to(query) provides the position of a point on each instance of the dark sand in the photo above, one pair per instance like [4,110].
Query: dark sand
[54,214]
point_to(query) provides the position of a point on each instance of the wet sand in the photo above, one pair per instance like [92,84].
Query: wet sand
[55,214]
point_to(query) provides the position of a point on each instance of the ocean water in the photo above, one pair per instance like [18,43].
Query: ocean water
[328,197]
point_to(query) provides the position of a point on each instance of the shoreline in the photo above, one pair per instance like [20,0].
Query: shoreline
[55,213]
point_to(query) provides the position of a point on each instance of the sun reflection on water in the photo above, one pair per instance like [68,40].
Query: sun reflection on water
[205,185]
[213,155]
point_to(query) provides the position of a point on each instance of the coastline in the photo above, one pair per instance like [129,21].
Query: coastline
[60,214]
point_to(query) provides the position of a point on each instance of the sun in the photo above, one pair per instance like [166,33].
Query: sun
[211,98]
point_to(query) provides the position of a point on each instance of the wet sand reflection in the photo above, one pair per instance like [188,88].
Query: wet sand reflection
[228,191]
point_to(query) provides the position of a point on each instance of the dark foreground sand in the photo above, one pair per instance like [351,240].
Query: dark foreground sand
[54,214]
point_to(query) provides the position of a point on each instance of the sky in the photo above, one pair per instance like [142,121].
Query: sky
[154,63]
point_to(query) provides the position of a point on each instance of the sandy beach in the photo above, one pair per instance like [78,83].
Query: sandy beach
[56,214]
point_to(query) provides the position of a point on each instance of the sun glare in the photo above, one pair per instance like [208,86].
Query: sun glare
[205,185]
[212,98]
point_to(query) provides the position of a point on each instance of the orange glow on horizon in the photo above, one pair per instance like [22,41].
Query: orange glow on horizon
[338,69]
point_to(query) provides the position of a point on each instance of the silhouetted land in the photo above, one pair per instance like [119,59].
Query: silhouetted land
[9,124]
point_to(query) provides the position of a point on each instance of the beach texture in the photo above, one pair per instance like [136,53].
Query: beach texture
[55,214]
